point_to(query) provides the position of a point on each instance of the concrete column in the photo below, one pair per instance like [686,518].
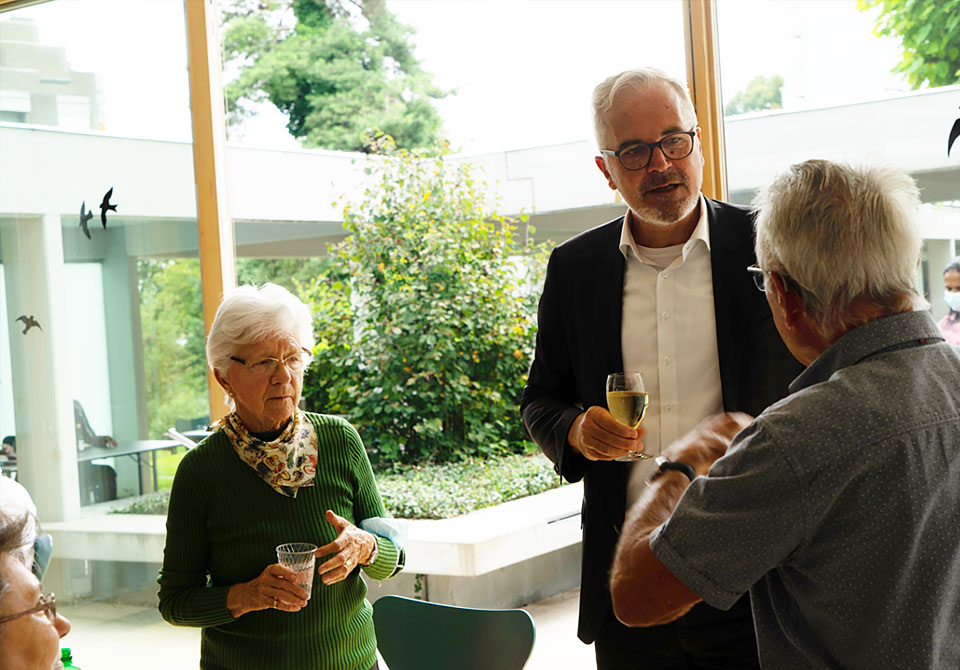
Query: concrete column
[939,253]
[43,406]
[121,301]
[128,406]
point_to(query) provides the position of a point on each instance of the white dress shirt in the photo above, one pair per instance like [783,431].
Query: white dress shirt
[669,333]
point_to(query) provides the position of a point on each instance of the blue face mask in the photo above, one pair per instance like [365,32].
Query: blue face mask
[952,298]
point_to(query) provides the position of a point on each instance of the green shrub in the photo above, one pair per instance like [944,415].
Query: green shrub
[436,491]
[444,491]
[426,318]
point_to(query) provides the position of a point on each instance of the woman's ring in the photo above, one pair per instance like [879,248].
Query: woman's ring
[275,601]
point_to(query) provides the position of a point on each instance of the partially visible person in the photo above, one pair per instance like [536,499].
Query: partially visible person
[16,501]
[837,508]
[9,448]
[30,628]
[950,324]
[8,457]
[272,474]
[98,482]
[86,436]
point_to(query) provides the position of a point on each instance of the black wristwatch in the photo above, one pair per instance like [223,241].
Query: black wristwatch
[663,465]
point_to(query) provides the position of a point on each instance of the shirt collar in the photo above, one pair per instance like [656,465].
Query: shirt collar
[700,234]
[890,332]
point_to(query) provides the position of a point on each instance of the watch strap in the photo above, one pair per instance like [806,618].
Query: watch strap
[663,465]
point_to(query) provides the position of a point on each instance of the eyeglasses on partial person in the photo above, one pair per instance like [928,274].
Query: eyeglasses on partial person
[637,155]
[268,366]
[48,605]
[760,279]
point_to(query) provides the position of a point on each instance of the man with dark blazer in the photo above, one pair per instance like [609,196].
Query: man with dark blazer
[663,289]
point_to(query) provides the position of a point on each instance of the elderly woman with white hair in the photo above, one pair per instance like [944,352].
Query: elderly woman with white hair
[272,474]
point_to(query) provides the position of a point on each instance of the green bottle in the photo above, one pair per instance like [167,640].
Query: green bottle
[67,659]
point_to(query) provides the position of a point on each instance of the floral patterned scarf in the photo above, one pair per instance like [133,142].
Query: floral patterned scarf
[286,463]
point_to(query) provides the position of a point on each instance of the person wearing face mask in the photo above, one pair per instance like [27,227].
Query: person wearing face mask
[950,323]
[30,627]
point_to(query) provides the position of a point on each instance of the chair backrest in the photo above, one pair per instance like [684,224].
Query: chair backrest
[413,634]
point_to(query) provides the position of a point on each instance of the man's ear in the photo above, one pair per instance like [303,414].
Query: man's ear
[703,160]
[602,164]
[788,302]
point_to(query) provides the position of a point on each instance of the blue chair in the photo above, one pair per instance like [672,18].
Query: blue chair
[413,635]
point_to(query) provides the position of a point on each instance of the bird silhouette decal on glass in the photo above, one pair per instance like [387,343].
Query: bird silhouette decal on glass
[105,205]
[29,322]
[954,134]
[85,216]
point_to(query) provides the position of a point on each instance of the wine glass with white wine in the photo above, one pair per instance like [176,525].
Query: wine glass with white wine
[627,401]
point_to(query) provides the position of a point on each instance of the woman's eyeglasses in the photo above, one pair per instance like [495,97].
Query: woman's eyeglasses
[268,366]
[48,605]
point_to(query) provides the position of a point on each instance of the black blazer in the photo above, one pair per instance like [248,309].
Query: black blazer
[578,345]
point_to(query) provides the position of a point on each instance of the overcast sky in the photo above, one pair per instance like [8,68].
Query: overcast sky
[523,70]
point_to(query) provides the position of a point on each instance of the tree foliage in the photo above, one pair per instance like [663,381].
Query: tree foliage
[929,32]
[291,273]
[174,360]
[334,72]
[761,93]
[426,318]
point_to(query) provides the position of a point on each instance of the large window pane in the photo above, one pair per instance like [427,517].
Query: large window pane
[98,249]
[825,88]
[518,78]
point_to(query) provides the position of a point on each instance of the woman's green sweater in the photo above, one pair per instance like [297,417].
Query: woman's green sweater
[223,526]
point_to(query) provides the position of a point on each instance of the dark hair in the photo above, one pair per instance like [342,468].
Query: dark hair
[13,537]
[953,265]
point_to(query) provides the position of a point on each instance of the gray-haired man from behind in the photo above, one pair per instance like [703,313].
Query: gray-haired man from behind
[837,508]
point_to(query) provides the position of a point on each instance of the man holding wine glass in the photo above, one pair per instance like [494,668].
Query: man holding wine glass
[837,507]
[662,291]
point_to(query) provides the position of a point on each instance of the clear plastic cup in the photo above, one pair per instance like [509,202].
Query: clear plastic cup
[298,556]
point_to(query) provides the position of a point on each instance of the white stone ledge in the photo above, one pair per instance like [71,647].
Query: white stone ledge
[465,546]
[495,537]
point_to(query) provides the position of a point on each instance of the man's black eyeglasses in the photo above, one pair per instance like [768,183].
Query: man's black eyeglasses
[637,155]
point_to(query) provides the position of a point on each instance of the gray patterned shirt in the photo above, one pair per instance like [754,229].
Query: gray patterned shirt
[839,509]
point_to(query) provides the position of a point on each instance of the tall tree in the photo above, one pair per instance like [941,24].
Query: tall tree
[761,93]
[337,68]
[929,32]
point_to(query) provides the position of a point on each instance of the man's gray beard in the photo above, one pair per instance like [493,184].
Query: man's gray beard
[658,219]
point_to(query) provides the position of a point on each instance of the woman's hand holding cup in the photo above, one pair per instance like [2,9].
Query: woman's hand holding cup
[275,588]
